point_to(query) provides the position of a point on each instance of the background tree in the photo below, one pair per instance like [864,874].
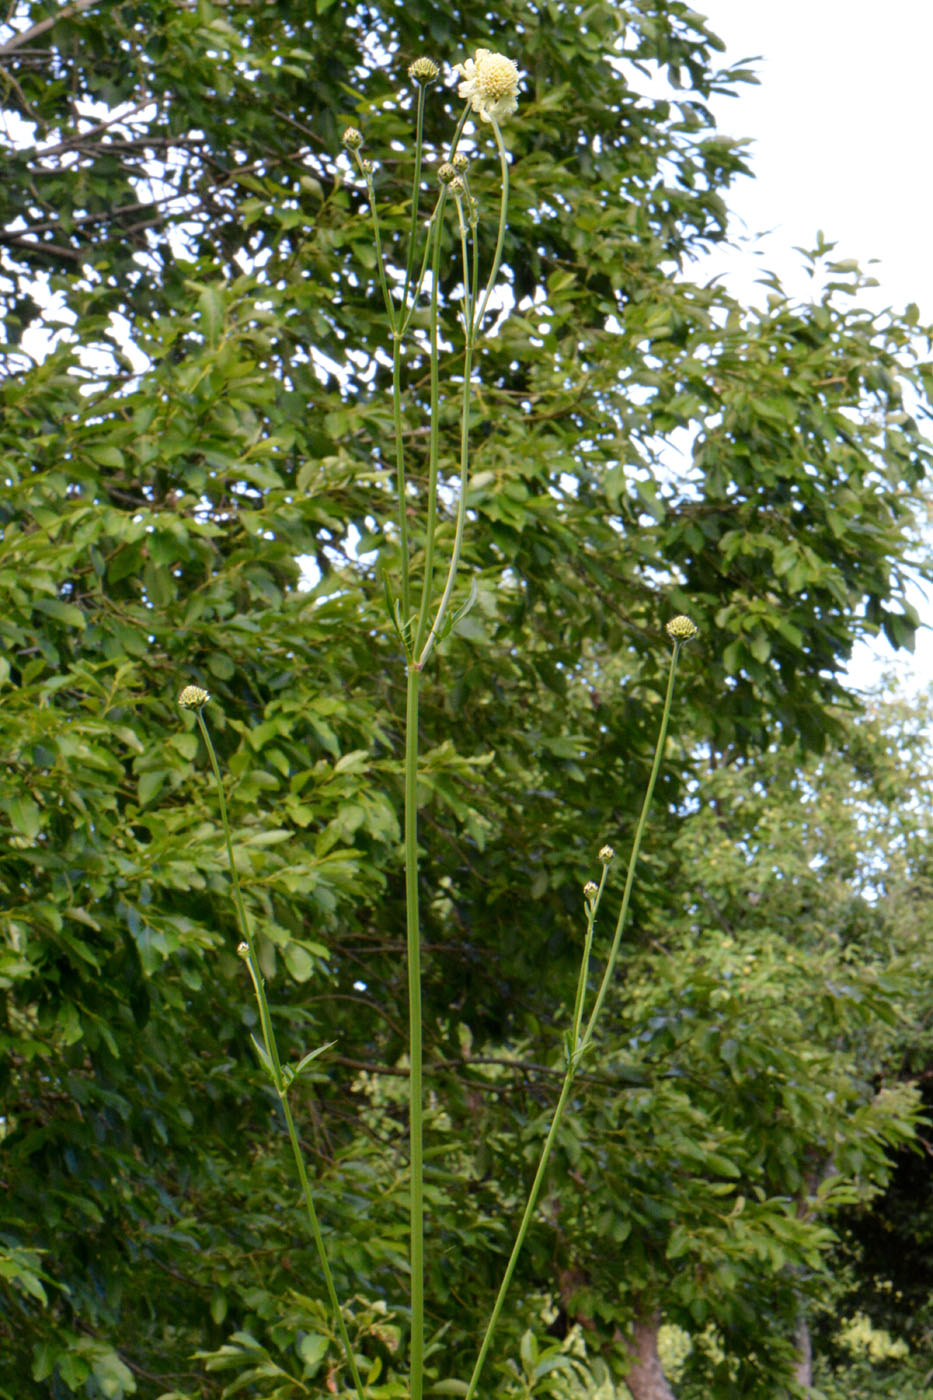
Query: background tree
[174,181]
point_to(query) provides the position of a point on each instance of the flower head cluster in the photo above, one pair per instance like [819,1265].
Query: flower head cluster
[193,698]
[681,629]
[490,85]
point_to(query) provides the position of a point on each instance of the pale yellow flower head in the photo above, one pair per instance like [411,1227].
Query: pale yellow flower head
[193,698]
[490,85]
[681,629]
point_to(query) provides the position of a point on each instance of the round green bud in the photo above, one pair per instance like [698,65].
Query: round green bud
[352,139]
[423,70]
[446,173]
[460,163]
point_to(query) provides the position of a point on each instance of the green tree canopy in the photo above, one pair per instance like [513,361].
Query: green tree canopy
[175,181]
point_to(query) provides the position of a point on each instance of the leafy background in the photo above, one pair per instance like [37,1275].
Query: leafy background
[210,407]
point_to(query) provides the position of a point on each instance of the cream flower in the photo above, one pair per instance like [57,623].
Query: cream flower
[193,698]
[681,629]
[490,84]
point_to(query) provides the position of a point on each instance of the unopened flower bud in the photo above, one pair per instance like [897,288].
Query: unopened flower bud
[457,187]
[368,166]
[460,163]
[446,173]
[590,889]
[193,698]
[681,629]
[606,853]
[242,950]
[423,70]
[352,139]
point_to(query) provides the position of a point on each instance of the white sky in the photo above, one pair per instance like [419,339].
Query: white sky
[841,128]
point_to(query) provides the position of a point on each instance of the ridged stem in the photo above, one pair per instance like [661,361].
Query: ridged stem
[415,1088]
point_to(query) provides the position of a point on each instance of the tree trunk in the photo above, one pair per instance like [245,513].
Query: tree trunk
[646,1379]
[803,1370]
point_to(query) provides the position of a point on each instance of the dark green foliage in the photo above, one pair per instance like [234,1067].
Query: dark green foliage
[151,522]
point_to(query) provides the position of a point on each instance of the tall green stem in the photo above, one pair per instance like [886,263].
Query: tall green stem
[415,1131]
[421,646]
[274,1066]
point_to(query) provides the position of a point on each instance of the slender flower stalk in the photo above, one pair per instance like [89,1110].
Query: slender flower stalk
[452,180]
[415,1085]
[434,428]
[472,325]
[422,72]
[578,1045]
[493,95]
[421,649]
[680,630]
[433,225]
[447,594]
[192,697]
[444,604]
[353,142]
[593,894]
[400,484]
[500,235]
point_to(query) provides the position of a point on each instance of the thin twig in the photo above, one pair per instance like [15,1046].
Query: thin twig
[35,30]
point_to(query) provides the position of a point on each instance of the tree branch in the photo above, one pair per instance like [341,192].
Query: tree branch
[25,35]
